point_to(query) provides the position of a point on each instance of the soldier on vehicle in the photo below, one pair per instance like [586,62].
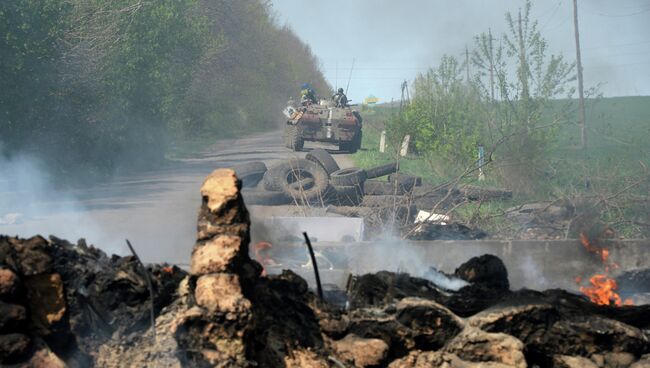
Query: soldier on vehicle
[307,95]
[340,99]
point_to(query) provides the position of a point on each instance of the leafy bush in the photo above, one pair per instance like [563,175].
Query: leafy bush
[447,116]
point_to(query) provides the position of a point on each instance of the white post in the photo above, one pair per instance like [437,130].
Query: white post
[382,142]
[481,162]
[405,145]
[329,124]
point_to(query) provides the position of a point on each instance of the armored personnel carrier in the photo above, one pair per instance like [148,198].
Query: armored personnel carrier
[323,122]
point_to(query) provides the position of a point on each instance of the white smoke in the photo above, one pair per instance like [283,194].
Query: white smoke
[30,204]
[532,275]
[445,281]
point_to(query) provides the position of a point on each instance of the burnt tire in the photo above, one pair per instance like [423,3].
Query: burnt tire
[265,198]
[403,179]
[376,187]
[383,170]
[250,173]
[292,138]
[348,195]
[353,176]
[300,179]
[324,159]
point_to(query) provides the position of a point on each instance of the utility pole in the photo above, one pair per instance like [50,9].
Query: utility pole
[583,127]
[467,62]
[491,48]
[407,138]
[404,87]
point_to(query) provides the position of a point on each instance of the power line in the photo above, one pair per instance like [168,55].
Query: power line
[617,15]
[638,52]
[616,65]
[552,16]
[560,24]
[618,45]
[380,68]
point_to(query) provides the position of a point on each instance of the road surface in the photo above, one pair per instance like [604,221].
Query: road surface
[155,210]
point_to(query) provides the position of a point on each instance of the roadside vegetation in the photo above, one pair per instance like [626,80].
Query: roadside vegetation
[613,166]
[518,104]
[91,87]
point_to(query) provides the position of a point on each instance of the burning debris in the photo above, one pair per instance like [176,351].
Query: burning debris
[72,305]
[602,289]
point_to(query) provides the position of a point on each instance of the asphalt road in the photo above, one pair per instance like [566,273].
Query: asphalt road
[155,210]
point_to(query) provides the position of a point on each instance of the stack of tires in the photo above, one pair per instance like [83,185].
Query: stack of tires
[318,180]
[251,175]
[296,181]
[348,185]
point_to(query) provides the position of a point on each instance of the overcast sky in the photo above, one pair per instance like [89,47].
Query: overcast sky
[394,40]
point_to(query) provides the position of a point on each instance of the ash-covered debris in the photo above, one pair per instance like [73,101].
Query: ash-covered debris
[71,305]
[109,295]
[634,283]
[453,231]
[62,300]
[283,320]
[486,279]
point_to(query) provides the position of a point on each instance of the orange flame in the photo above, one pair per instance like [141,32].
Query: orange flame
[603,253]
[262,254]
[603,291]
[602,288]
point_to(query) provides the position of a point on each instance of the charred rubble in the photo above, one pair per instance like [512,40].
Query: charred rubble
[60,301]
[72,305]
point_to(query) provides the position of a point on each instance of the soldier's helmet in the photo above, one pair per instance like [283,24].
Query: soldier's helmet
[340,90]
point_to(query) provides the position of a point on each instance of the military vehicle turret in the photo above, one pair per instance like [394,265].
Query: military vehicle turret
[323,122]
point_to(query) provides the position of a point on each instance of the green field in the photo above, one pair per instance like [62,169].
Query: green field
[618,133]
[616,160]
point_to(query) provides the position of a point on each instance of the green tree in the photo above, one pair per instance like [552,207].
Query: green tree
[91,86]
[29,70]
[526,82]
[445,117]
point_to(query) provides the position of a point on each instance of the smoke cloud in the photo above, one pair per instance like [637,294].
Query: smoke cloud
[28,195]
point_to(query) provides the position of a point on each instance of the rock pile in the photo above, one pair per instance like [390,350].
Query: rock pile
[236,318]
[213,330]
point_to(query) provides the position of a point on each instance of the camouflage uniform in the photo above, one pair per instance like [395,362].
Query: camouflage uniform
[340,99]
[307,96]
